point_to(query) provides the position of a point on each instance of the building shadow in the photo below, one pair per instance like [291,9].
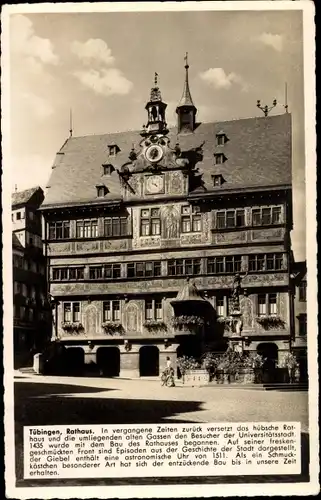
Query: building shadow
[55,404]
[58,404]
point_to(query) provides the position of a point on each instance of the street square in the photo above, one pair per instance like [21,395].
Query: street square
[43,401]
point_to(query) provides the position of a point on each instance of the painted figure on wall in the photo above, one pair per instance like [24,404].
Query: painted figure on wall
[171,224]
[246,306]
[91,320]
[132,317]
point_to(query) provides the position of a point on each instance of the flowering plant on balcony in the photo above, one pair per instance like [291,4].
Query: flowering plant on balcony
[71,326]
[270,321]
[155,325]
[187,321]
[111,327]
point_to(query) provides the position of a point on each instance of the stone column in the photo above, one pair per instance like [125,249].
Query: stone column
[129,361]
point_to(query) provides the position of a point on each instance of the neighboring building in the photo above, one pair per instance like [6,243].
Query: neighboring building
[129,215]
[29,282]
[299,338]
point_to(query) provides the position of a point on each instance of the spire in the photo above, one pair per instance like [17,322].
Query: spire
[186,99]
[186,110]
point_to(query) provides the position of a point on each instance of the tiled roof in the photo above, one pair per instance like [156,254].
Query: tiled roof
[22,197]
[258,154]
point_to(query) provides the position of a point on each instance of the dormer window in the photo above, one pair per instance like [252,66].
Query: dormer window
[108,169]
[221,138]
[102,190]
[217,180]
[219,158]
[113,149]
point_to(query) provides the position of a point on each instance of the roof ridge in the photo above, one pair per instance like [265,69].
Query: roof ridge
[137,131]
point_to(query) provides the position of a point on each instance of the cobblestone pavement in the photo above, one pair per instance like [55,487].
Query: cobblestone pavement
[53,400]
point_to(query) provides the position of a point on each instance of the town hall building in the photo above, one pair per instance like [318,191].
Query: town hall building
[146,231]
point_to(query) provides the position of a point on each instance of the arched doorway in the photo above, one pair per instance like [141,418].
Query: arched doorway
[149,361]
[108,361]
[269,351]
[74,360]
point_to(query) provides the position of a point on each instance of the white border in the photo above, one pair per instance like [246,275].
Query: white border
[170,491]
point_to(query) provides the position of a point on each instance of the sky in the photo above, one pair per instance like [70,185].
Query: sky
[102,65]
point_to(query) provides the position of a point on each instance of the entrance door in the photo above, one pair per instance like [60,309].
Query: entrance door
[149,361]
[74,360]
[269,350]
[108,361]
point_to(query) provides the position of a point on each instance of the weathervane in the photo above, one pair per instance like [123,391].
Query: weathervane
[156,79]
[266,109]
[286,98]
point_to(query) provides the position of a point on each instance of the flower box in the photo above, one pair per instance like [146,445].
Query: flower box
[72,327]
[112,327]
[155,326]
[270,322]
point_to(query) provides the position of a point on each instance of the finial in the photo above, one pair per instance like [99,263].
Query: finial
[70,123]
[266,109]
[186,60]
[286,98]
[156,79]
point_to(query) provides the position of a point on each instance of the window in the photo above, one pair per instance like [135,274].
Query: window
[219,158]
[18,217]
[76,273]
[144,269]
[115,226]
[71,312]
[303,291]
[153,310]
[30,241]
[95,272]
[219,265]
[31,215]
[302,324]
[220,306]
[262,305]
[59,230]
[266,216]
[87,228]
[150,224]
[230,218]
[272,304]
[112,271]
[221,139]
[267,304]
[111,310]
[108,169]
[180,267]
[191,219]
[65,273]
[113,149]
[217,180]
[102,190]
[266,262]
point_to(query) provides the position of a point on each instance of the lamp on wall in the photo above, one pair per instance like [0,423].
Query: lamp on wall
[90,344]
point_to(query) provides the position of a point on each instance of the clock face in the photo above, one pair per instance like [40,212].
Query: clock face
[154,153]
[154,184]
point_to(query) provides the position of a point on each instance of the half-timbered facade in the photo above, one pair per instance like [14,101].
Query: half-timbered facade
[129,216]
